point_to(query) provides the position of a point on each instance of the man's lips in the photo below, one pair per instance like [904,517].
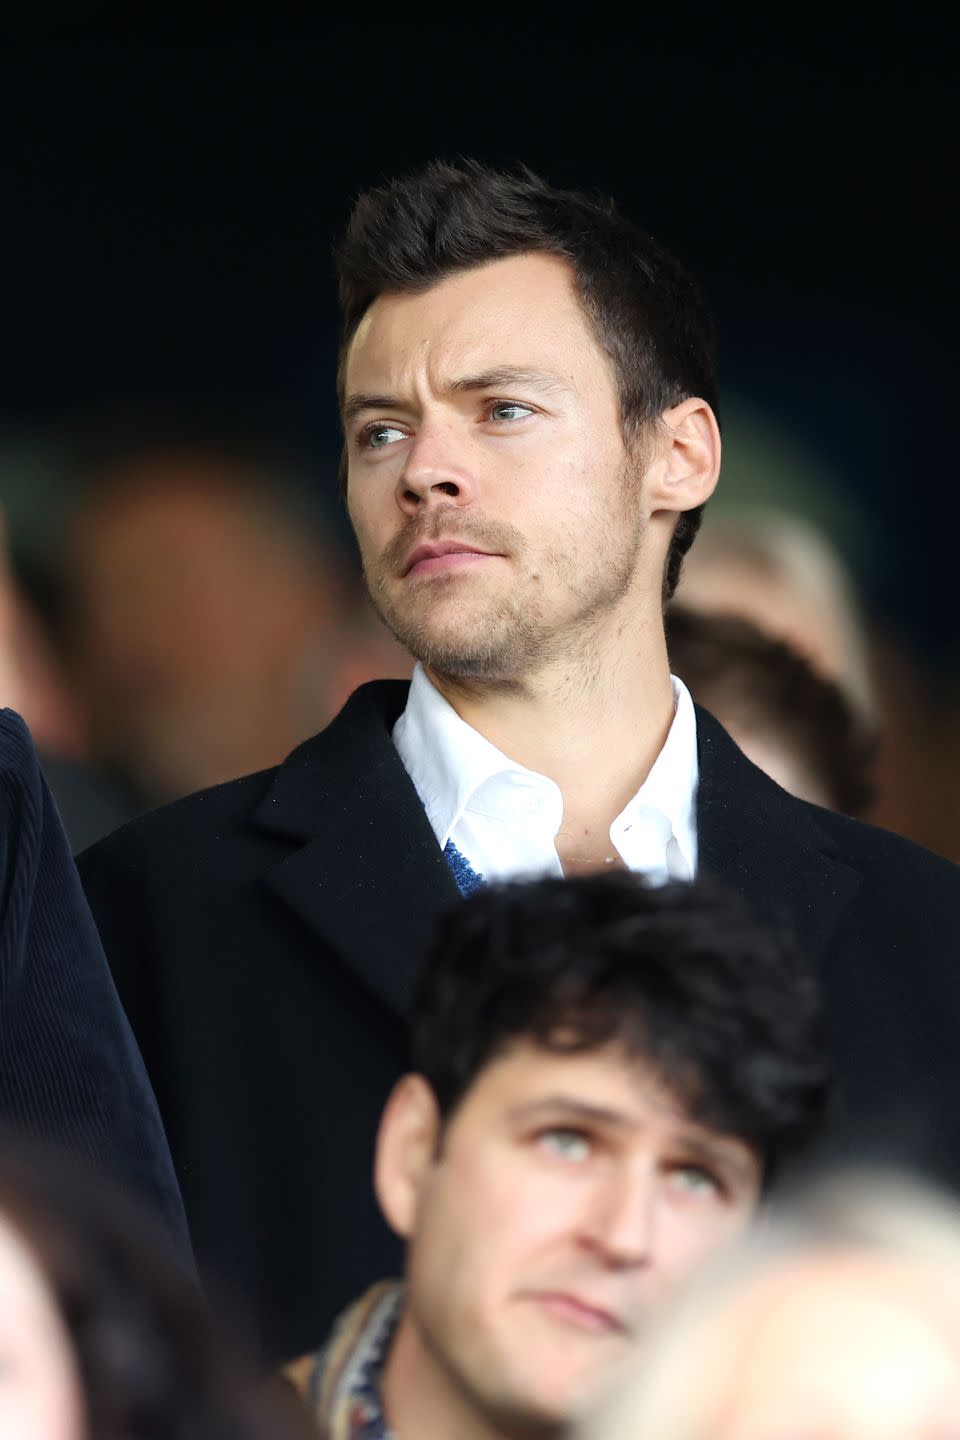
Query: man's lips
[574,1310]
[442,555]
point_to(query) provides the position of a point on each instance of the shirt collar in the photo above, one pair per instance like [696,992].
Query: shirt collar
[670,789]
[448,761]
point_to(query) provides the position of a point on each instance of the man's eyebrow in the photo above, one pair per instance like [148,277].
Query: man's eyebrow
[505,375]
[354,405]
[500,378]
[718,1155]
[571,1108]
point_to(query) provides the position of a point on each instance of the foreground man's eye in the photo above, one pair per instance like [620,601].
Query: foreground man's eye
[695,1180]
[567,1144]
[377,437]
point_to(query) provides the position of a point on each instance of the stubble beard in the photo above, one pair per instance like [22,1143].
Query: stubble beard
[501,639]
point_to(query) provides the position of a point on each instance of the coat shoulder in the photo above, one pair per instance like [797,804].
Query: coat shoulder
[176,833]
[883,857]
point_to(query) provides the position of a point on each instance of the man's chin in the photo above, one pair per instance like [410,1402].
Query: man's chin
[564,1389]
[454,655]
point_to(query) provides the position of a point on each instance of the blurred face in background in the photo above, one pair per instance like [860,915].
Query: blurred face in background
[199,626]
[40,1391]
[569,1196]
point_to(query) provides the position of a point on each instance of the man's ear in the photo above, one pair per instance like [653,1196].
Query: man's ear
[406,1151]
[687,464]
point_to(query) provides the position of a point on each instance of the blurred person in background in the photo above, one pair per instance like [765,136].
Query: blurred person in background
[33,683]
[841,1321]
[203,614]
[70,1070]
[782,574]
[101,1338]
[573,1143]
[527,390]
[800,728]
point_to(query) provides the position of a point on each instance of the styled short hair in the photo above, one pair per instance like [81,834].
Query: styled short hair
[725,1010]
[742,674]
[647,313]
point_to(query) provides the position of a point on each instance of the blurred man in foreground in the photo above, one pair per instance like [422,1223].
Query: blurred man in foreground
[606,1075]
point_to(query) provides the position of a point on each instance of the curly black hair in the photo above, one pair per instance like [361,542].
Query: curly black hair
[725,1009]
[151,1363]
[647,313]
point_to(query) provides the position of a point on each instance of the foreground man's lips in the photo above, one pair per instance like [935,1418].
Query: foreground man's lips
[442,553]
[579,1313]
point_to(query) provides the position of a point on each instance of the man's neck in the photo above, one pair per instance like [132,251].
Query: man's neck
[594,726]
[421,1401]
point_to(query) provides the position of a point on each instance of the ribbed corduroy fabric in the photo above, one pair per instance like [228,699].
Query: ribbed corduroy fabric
[70,1070]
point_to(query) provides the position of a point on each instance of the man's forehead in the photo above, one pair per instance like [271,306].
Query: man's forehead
[518,311]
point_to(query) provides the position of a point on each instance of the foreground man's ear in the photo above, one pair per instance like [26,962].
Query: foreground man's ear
[686,464]
[406,1151]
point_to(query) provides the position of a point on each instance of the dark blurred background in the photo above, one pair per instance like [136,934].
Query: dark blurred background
[172,184]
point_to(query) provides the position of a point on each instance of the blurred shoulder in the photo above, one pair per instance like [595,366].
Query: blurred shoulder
[18,753]
[22,789]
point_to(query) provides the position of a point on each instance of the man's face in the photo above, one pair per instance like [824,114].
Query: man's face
[570,1196]
[499,513]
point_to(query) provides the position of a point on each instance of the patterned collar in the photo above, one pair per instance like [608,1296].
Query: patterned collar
[341,1383]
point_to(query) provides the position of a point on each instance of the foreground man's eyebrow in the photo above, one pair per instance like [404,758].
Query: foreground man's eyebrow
[568,1107]
[720,1156]
[499,379]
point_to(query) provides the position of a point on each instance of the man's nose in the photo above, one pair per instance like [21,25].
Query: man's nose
[435,472]
[622,1226]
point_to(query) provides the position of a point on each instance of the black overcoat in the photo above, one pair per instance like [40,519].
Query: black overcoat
[264,935]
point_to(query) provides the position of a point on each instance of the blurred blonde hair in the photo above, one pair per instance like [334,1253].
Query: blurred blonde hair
[799,557]
[677,1386]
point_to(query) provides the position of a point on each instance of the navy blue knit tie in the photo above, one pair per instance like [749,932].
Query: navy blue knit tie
[463,872]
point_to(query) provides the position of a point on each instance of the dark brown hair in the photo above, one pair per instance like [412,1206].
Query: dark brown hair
[647,313]
[736,670]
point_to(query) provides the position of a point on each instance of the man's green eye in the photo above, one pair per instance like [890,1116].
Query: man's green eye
[568,1144]
[695,1178]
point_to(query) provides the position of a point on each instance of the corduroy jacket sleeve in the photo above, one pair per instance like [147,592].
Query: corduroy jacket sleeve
[70,1070]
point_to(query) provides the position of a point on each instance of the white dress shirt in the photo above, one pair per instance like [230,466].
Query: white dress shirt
[505,819]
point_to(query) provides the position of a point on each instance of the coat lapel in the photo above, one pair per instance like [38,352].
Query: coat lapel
[766,845]
[369,878]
